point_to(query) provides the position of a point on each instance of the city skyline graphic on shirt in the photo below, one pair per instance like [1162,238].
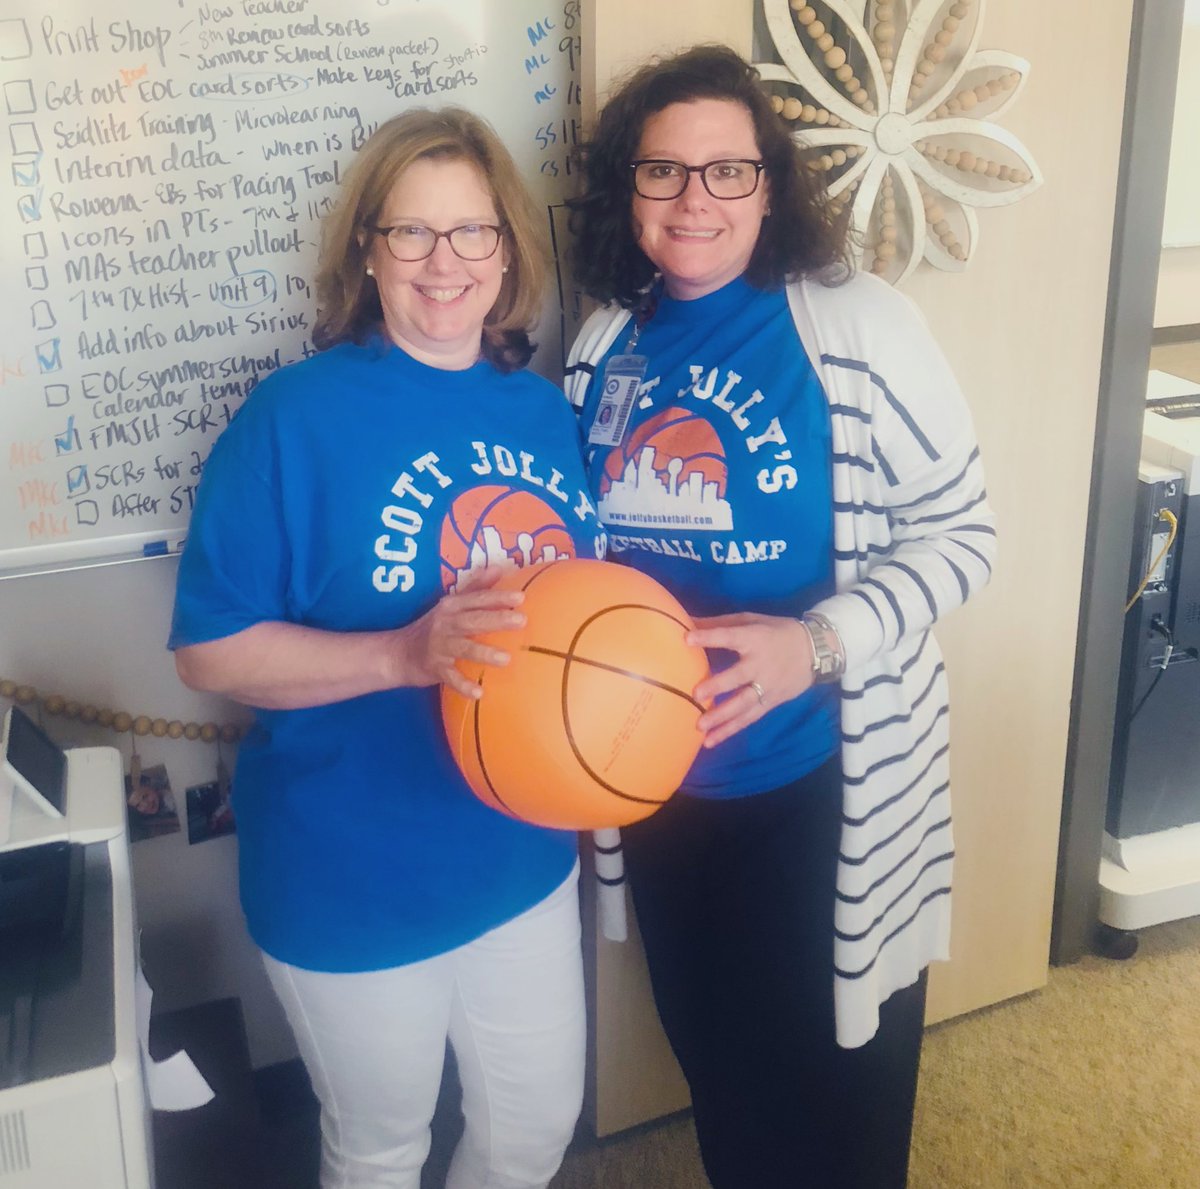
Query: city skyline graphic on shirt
[671,472]
[497,527]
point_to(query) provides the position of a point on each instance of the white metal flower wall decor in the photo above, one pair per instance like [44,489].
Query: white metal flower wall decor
[898,107]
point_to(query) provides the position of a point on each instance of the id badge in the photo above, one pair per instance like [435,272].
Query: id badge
[622,378]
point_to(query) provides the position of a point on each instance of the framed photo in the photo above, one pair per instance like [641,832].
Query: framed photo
[150,807]
[209,814]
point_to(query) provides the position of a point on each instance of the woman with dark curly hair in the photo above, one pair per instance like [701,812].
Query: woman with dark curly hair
[778,440]
[337,565]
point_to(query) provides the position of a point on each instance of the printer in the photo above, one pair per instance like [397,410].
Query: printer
[1150,869]
[73,1106]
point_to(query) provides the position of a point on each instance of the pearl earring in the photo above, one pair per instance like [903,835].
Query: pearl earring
[370,271]
[504,269]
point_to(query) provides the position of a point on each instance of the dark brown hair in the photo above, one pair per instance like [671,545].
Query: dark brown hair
[801,235]
[348,301]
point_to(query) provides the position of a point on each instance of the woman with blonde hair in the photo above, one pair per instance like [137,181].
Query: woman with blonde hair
[339,561]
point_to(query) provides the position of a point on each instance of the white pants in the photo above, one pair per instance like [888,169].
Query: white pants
[511,1004]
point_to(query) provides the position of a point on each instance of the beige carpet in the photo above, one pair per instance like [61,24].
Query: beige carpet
[1091,1083]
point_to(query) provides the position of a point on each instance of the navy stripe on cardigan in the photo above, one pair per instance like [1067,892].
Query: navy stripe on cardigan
[941,790]
[857,365]
[892,678]
[938,517]
[897,759]
[928,865]
[898,718]
[949,485]
[944,824]
[841,972]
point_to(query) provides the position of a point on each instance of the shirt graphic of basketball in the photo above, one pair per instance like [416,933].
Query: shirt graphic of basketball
[670,471]
[496,526]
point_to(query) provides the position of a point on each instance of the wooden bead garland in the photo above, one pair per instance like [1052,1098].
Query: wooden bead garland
[793,108]
[891,242]
[119,720]
[935,216]
[935,52]
[833,55]
[981,93]
[969,162]
[885,243]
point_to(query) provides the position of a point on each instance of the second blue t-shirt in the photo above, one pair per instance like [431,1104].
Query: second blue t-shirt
[721,489]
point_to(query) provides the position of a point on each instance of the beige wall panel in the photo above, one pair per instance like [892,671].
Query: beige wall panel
[620,34]
[1178,299]
[1178,302]
[1181,217]
[632,1074]
[1023,328]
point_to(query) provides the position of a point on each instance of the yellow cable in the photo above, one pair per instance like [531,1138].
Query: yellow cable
[1169,516]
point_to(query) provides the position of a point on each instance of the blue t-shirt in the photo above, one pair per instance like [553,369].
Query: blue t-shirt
[350,492]
[721,489]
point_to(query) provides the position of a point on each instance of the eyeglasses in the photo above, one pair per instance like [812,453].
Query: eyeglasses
[664,180]
[410,242]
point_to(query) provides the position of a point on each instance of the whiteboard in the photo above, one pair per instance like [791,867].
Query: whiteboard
[168,166]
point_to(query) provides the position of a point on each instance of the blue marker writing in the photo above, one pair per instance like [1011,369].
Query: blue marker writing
[162,548]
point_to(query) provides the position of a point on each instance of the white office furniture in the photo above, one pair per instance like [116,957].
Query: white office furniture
[73,1106]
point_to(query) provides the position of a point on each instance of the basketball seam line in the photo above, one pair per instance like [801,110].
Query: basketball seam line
[479,755]
[571,659]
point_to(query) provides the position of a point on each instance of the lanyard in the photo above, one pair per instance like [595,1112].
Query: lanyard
[623,376]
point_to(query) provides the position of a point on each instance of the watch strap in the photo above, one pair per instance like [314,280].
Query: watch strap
[829,655]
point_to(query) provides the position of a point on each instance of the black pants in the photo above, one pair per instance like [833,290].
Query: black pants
[735,903]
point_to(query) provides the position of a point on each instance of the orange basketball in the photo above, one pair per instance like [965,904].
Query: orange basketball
[592,722]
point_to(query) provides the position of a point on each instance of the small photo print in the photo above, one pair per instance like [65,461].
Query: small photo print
[151,806]
[209,815]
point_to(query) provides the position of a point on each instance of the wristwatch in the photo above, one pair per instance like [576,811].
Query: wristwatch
[829,657]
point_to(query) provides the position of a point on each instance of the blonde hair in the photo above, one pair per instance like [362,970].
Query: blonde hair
[348,307]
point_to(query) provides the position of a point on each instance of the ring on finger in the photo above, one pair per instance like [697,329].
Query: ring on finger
[759,692]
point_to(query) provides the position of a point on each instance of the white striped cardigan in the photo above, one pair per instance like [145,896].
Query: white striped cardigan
[913,538]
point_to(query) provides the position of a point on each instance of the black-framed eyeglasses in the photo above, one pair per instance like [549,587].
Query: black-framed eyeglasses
[663,180]
[410,242]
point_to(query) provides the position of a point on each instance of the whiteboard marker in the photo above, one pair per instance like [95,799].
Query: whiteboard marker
[162,548]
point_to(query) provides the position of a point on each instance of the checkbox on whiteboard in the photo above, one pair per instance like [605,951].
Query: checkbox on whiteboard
[24,138]
[27,172]
[57,395]
[43,316]
[19,98]
[35,245]
[49,356]
[78,482]
[36,278]
[29,206]
[14,41]
[67,442]
[87,512]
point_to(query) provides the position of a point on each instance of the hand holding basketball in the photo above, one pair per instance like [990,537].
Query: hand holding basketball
[592,722]
[773,651]
[449,632]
